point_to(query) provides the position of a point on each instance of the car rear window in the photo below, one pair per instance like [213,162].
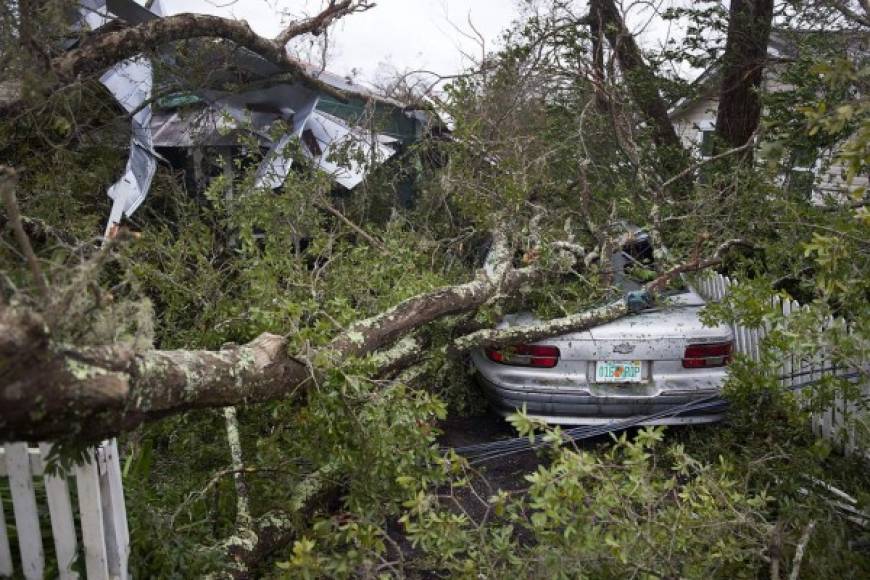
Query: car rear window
[634,265]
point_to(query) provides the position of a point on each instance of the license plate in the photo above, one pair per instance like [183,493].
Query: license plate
[623,371]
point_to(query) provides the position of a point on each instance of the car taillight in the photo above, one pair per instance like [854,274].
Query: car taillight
[699,356]
[525,355]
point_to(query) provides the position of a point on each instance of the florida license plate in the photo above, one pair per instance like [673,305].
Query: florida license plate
[623,371]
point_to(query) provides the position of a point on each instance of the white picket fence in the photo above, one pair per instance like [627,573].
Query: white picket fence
[839,422]
[99,505]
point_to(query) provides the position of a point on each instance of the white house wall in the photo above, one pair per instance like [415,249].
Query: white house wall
[831,180]
[830,183]
[690,121]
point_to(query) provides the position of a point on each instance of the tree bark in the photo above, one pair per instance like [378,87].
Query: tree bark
[494,338]
[739,110]
[742,71]
[372,334]
[642,85]
[50,390]
[104,50]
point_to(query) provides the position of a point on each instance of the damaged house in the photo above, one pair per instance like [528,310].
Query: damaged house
[197,106]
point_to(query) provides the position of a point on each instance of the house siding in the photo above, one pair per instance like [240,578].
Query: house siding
[830,183]
[689,122]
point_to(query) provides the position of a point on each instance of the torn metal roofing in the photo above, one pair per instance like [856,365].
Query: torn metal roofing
[335,139]
[131,83]
[276,165]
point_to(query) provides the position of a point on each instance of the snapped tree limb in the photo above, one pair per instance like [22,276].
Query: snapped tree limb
[107,47]
[104,50]
[50,390]
[493,338]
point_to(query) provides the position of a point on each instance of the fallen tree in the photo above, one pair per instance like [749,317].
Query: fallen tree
[54,390]
[333,437]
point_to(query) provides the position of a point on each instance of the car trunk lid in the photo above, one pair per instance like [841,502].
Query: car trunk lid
[653,335]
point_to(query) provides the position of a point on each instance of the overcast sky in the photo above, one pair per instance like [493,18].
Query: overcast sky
[397,35]
[404,35]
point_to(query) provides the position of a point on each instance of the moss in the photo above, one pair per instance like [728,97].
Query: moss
[84,372]
[356,337]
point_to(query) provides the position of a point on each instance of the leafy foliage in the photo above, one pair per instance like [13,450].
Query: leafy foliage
[355,473]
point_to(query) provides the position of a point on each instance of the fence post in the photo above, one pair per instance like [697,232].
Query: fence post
[5,551]
[24,508]
[114,511]
[60,511]
[91,514]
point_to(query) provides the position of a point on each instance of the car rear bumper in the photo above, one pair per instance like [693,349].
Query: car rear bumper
[581,407]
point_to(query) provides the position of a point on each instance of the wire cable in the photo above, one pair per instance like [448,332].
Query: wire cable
[482,452]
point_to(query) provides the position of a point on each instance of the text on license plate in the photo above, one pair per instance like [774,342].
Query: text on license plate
[623,371]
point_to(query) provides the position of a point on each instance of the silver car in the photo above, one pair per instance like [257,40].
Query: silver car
[629,368]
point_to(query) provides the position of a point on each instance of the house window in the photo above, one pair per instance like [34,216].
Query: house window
[707,136]
[800,183]
[802,176]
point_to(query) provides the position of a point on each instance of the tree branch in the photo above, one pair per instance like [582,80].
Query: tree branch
[8,179]
[695,166]
[50,391]
[102,51]
[317,24]
[274,530]
[641,82]
[850,14]
[378,331]
[493,338]
[243,506]
[322,202]
[799,551]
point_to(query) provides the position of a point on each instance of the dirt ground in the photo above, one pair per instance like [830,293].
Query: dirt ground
[505,473]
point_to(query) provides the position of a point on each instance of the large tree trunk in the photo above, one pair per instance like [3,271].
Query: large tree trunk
[739,102]
[50,390]
[742,70]
[642,85]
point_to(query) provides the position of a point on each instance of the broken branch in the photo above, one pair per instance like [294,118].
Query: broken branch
[105,50]
[799,551]
[8,179]
[318,23]
[106,389]
[322,202]
[492,338]
[97,391]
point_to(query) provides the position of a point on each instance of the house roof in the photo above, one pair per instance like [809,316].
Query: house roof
[244,93]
